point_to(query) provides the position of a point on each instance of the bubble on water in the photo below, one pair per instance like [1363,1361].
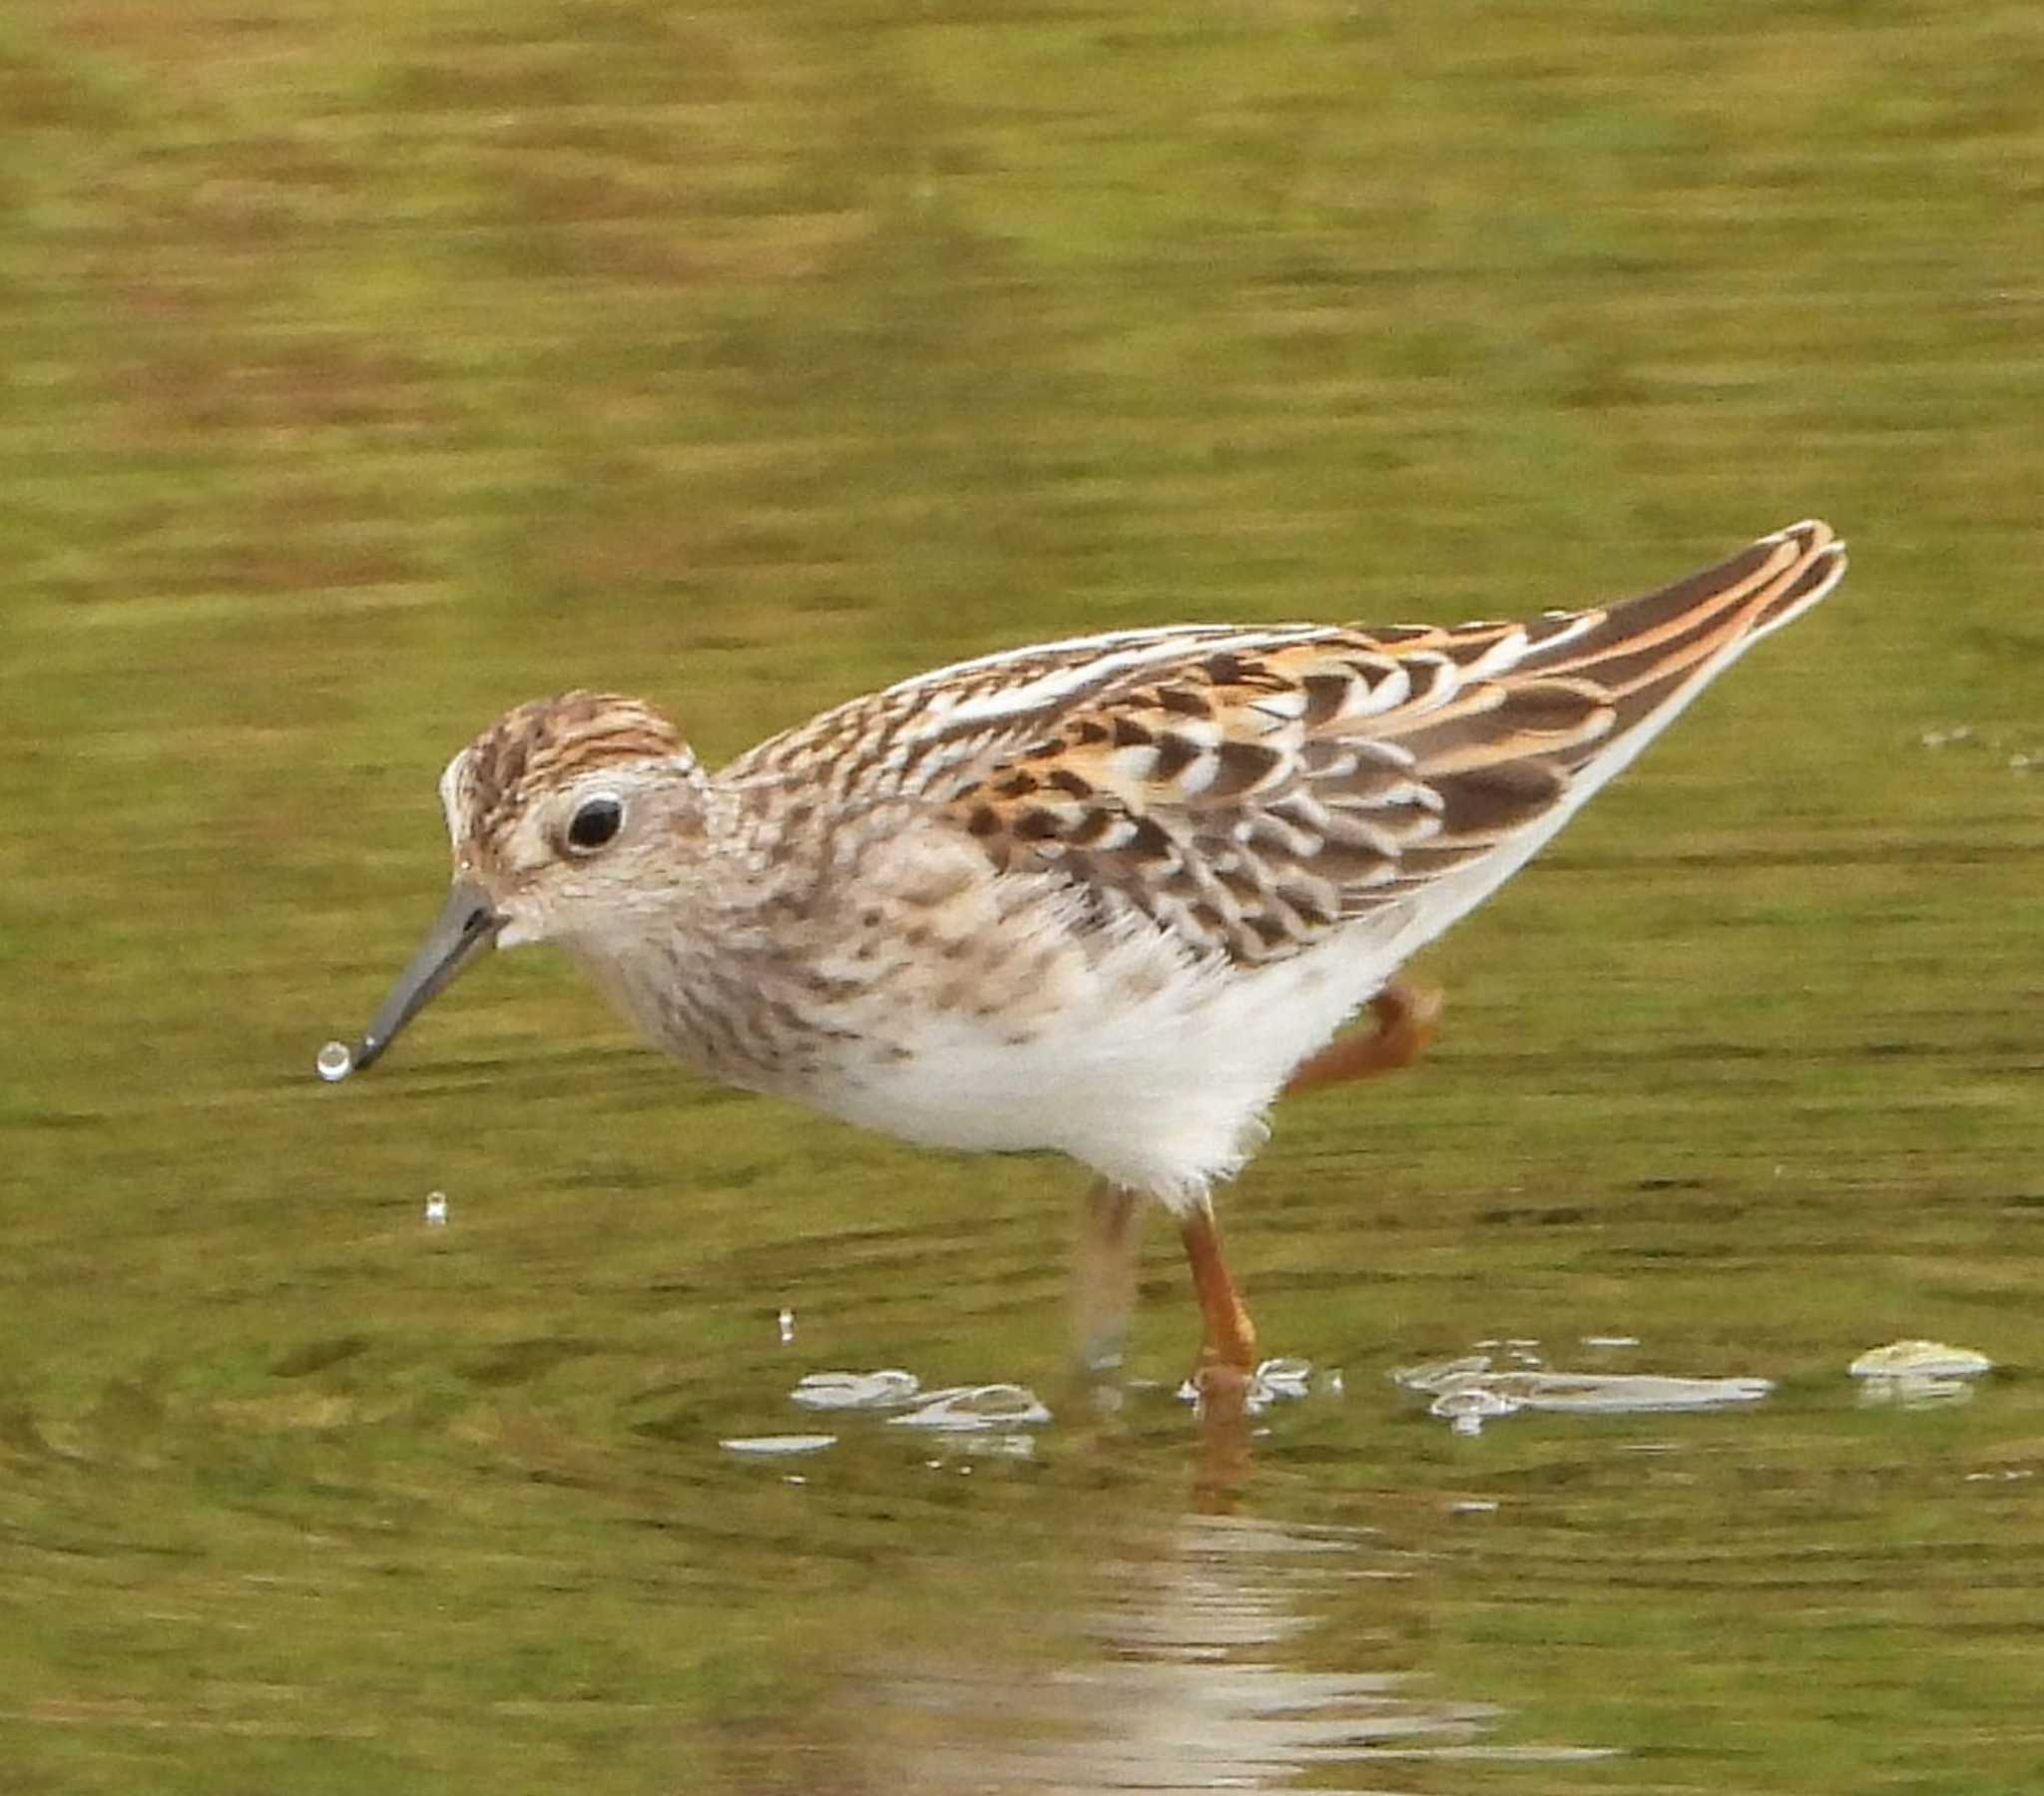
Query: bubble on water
[890,1388]
[777,1446]
[1285,1380]
[1627,1393]
[1917,1374]
[1920,1359]
[335,1061]
[437,1209]
[1467,1407]
[976,1409]
[1467,1391]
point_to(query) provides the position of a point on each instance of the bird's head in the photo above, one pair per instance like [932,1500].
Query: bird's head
[566,816]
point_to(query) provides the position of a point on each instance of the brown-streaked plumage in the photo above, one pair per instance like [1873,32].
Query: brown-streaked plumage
[1108,896]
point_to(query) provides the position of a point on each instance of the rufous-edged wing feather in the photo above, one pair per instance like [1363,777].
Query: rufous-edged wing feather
[1254,790]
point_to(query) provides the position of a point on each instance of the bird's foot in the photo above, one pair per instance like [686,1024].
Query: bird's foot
[1409,1018]
[1220,1387]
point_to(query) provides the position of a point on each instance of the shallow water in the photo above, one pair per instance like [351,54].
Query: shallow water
[434,1430]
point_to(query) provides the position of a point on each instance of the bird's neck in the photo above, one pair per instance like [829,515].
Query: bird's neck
[703,967]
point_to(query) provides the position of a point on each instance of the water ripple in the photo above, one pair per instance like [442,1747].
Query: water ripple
[1467,1393]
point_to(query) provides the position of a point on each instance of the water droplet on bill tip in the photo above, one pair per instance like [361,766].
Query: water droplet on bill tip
[335,1061]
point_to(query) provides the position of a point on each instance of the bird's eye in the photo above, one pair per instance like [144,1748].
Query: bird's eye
[595,822]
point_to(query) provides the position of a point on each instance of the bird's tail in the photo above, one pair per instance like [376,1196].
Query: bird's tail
[1647,656]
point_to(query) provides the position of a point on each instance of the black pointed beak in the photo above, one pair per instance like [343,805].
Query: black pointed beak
[467,923]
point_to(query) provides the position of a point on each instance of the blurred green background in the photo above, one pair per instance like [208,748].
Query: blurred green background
[367,368]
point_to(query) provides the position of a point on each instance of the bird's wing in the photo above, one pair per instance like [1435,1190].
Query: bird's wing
[1252,790]
[928,737]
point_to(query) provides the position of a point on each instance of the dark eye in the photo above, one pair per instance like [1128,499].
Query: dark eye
[595,822]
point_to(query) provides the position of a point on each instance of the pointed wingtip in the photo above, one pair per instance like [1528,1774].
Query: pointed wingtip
[1812,535]
[1822,553]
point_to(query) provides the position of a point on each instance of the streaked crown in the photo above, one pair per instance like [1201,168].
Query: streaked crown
[539,747]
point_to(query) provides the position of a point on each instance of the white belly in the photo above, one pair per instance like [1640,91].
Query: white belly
[1163,1094]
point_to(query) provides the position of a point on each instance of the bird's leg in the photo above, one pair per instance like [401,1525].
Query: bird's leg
[1104,1277]
[1228,1345]
[1408,1016]
[1227,1358]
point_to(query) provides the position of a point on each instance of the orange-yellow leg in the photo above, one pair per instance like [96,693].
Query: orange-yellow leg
[1104,1275]
[1228,1361]
[1409,1018]
[1228,1339]
[1104,1271]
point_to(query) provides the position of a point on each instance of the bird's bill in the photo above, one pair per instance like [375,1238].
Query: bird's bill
[466,924]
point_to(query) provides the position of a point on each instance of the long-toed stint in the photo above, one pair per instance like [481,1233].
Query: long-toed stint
[1109,896]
